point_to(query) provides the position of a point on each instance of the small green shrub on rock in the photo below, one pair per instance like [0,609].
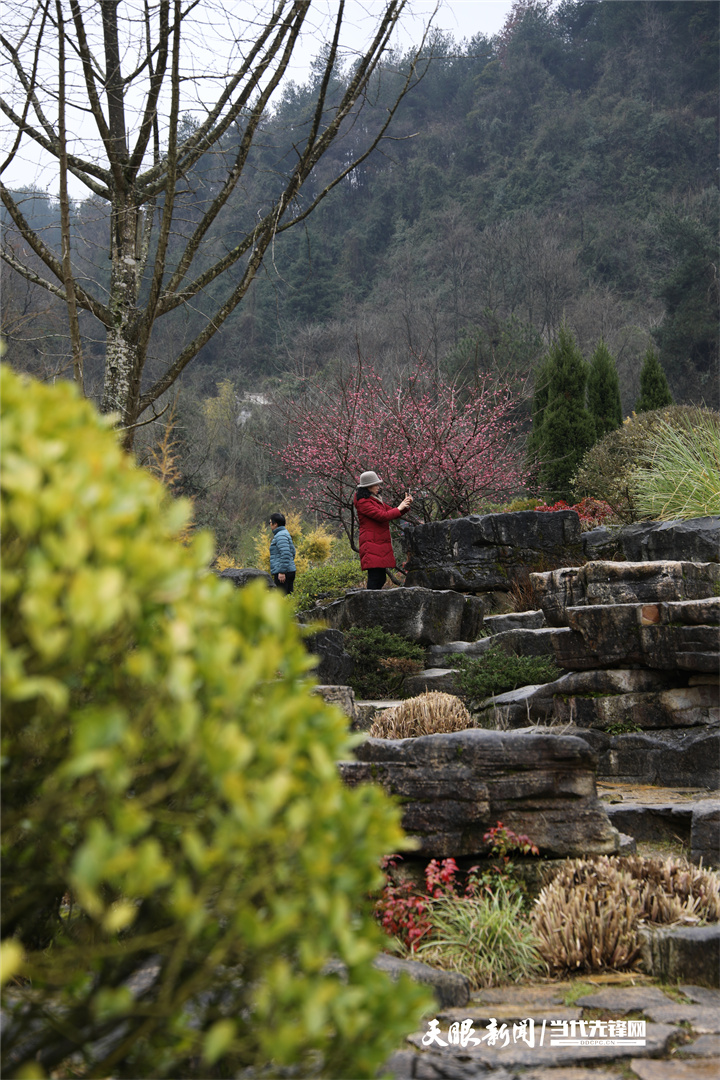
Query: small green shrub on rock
[497,672]
[382,661]
[170,799]
[328,582]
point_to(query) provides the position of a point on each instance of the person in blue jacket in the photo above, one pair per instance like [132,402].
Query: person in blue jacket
[282,555]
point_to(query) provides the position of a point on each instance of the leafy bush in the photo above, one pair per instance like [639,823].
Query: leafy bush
[684,478]
[607,469]
[422,715]
[588,916]
[381,662]
[328,582]
[496,672]
[312,545]
[169,791]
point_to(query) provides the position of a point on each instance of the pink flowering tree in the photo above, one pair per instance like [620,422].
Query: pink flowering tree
[449,447]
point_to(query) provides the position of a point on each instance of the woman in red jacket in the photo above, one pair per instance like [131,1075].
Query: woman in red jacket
[376,550]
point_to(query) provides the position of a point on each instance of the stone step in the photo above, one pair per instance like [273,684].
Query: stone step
[695,824]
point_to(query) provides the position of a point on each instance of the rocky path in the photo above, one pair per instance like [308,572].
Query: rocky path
[616,1028]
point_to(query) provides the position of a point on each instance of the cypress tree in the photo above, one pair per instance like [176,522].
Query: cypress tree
[604,392]
[654,389]
[567,430]
[537,411]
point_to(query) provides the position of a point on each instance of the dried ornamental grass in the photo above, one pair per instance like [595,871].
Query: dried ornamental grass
[588,916]
[425,714]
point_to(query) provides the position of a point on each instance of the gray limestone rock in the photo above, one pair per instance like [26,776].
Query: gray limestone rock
[707,1046]
[342,696]
[703,1020]
[437,655]
[679,635]
[450,987]
[335,666]
[689,706]
[514,620]
[697,539]
[454,786]
[682,953]
[623,583]
[625,999]
[705,833]
[486,553]
[683,759]
[426,616]
[443,680]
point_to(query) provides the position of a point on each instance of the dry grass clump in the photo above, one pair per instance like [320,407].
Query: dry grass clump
[588,916]
[425,714]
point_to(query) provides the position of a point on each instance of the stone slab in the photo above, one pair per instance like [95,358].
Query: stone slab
[622,583]
[703,1019]
[705,833]
[675,1070]
[342,696]
[441,679]
[514,620]
[451,988]
[517,1055]
[702,995]
[572,1072]
[625,999]
[425,616]
[682,953]
[703,1046]
[409,1065]
[697,539]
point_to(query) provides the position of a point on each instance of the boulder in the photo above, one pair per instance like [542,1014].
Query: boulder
[622,583]
[682,953]
[454,786]
[602,543]
[444,680]
[697,539]
[342,696]
[336,666]
[518,642]
[677,635]
[514,620]
[426,616]
[482,553]
[689,706]
[683,759]
[240,577]
[705,833]
[451,988]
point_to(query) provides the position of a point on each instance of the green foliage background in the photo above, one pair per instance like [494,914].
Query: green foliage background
[169,791]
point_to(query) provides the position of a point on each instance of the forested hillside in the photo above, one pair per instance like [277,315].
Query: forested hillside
[565,170]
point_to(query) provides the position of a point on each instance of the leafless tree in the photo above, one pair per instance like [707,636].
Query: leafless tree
[130,68]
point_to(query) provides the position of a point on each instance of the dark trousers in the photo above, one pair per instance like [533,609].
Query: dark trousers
[288,584]
[376,577]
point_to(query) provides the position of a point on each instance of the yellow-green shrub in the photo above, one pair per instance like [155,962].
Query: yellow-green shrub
[311,546]
[169,790]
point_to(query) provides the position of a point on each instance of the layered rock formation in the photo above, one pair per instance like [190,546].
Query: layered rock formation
[488,553]
[425,616]
[453,787]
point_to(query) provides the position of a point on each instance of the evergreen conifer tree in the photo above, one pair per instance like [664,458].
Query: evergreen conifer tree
[654,389]
[537,411]
[604,391]
[567,429]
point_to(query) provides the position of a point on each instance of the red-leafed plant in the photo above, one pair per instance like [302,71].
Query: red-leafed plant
[592,512]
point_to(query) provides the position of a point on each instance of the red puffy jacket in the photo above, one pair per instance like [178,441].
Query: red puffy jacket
[374,517]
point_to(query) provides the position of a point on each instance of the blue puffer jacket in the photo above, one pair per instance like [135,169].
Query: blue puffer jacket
[282,552]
